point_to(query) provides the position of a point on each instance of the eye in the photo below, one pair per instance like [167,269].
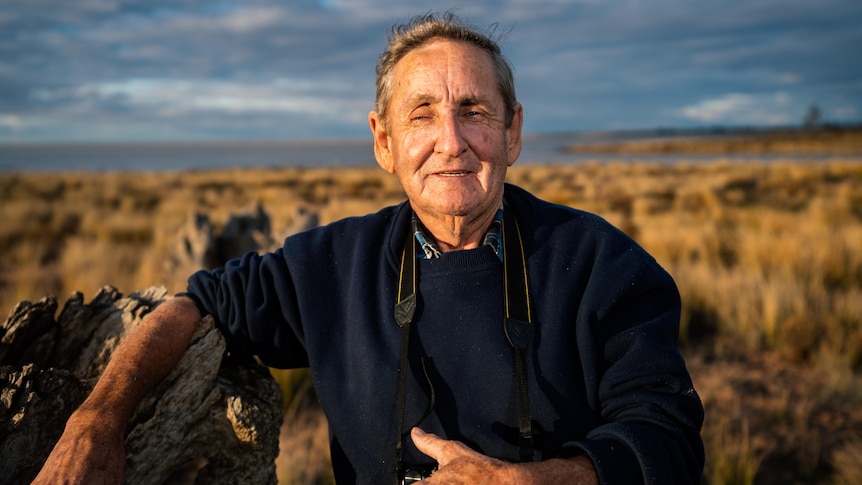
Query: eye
[421,113]
[473,114]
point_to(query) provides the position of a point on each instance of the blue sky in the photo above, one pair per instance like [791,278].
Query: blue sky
[106,70]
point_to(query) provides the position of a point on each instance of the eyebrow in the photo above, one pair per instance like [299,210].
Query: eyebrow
[424,98]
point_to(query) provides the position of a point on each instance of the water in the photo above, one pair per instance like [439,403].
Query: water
[185,156]
[309,153]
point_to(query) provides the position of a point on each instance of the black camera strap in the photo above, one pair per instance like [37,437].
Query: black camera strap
[404,312]
[517,326]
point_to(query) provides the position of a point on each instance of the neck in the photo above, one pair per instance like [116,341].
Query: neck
[453,233]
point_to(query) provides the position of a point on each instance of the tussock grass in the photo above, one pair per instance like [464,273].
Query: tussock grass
[767,256]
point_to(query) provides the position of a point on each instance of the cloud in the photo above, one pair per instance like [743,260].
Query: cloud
[306,67]
[10,122]
[149,109]
[741,109]
[171,97]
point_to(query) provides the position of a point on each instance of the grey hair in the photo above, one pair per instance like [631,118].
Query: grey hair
[424,28]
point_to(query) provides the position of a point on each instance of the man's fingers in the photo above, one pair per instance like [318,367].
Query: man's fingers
[438,448]
[428,443]
[458,464]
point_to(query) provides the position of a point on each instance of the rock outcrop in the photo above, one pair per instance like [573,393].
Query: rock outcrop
[211,420]
[200,245]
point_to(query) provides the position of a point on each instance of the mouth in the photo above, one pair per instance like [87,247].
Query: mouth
[456,173]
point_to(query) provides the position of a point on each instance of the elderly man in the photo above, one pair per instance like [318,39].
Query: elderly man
[471,334]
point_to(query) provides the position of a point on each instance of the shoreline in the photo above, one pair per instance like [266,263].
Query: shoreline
[824,141]
[659,146]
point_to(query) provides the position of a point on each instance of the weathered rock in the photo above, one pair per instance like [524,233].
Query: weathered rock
[199,246]
[27,323]
[34,406]
[211,420]
[303,220]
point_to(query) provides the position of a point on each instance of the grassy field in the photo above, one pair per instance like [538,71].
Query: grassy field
[768,258]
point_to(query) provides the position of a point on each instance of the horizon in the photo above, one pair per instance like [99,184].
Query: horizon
[574,137]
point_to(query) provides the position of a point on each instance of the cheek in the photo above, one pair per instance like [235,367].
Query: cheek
[484,142]
[414,150]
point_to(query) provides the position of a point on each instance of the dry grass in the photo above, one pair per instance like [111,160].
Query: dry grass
[79,231]
[768,258]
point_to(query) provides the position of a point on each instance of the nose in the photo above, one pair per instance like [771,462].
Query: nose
[450,138]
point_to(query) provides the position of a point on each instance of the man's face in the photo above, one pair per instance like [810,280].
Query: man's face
[445,137]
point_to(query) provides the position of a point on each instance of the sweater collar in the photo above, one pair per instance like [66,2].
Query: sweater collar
[430,249]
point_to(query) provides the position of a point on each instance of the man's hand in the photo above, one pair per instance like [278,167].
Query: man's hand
[458,464]
[86,453]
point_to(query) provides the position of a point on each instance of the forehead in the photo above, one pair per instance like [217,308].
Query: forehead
[444,68]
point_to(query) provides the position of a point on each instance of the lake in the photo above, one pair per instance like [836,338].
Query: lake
[288,153]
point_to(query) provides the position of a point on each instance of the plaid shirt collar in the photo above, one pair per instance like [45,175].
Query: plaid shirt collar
[430,250]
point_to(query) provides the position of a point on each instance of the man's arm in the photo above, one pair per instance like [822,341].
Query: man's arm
[91,448]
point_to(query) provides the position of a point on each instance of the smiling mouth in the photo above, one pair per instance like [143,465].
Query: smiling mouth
[453,174]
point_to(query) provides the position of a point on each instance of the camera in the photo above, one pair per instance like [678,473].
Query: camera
[414,474]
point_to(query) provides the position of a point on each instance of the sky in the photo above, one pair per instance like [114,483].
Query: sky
[159,70]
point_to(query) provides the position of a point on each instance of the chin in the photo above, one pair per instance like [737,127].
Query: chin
[453,204]
[458,208]
[449,211]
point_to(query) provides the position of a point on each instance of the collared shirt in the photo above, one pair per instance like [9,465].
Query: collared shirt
[430,250]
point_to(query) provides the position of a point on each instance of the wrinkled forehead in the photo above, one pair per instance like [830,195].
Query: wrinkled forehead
[448,54]
[438,69]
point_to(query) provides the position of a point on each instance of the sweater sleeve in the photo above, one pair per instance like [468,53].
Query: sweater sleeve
[254,304]
[651,415]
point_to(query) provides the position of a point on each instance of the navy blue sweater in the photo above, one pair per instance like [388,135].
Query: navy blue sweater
[606,378]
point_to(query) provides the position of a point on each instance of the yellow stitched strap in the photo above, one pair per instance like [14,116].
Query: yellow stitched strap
[524,271]
[406,307]
[401,275]
[515,272]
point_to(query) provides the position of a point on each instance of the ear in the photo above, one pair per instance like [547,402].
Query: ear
[382,151]
[513,134]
